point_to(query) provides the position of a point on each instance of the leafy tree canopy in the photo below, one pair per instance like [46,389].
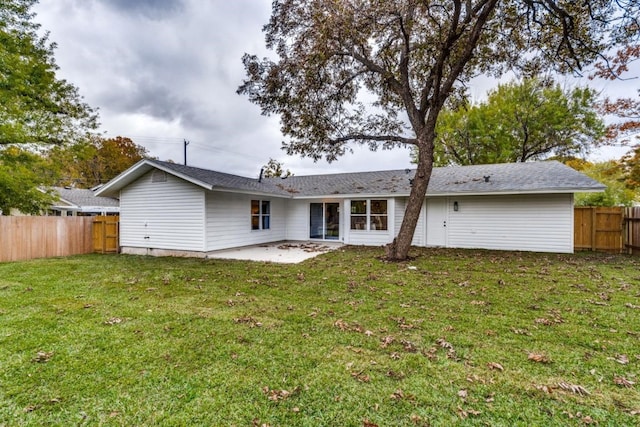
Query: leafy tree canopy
[612,174]
[519,121]
[378,72]
[22,172]
[95,161]
[631,164]
[275,169]
[35,106]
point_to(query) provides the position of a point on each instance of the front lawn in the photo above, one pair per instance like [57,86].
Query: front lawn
[345,339]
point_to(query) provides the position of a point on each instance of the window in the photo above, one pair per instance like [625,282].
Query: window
[378,218]
[358,214]
[369,215]
[260,214]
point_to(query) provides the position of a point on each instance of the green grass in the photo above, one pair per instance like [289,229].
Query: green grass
[352,340]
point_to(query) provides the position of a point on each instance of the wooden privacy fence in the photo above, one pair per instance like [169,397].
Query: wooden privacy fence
[28,237]
[613,230]
[632,237]
[106,236]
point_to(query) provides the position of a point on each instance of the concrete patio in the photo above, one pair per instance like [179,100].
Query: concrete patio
[279,252]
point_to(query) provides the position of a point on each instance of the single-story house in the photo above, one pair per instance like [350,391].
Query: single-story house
[172,209]
[82,202]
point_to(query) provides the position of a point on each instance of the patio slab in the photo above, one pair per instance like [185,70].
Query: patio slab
[279,252]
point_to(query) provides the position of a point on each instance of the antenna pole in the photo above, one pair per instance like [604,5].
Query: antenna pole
[185,151]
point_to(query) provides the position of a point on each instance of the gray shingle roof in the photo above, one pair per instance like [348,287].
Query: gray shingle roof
[84,197]
[535,177]
[227,181]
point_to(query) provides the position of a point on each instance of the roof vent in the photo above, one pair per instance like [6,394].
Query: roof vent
[158,176]
[486,178]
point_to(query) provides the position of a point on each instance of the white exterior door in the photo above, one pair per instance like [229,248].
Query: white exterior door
[437,216]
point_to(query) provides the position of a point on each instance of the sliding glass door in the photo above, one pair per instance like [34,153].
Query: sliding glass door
[324,221]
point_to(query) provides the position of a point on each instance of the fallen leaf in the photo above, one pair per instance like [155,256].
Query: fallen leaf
[574,388]
[462,394]
[386,341]
[248,320]
[495,366]
[367,423]
[408,346]
[341,324]
[31,408]
[623,382]
[622,359]
[113,321]
[42,357]
[361,376]
[629,305]
[395,375]
[277,395]
[397,395]
[544,388]
[539,358]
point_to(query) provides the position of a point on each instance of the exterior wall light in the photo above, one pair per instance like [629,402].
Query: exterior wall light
[455,206]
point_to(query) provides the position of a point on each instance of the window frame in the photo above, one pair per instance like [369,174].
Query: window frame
[359,221]
[260,217]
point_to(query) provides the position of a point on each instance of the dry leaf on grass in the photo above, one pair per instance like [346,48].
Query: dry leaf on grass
[495,366]
[397,395]
[408,346]
[623,382]
[367,423]
[464,413]
[361,376]
[622,359]
[113,321]
[538,358]
[386,341]
[629,305]
[520,331]
[277,395]
[574,388]
[544,388]
[253,323]
[42,357]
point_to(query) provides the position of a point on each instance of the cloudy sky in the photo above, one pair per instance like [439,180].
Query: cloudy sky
[161,71]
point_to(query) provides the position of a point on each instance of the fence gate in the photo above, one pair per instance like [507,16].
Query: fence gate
[106,234]
[598,229]
[632,241]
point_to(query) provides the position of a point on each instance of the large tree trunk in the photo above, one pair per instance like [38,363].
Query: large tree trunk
[398,250]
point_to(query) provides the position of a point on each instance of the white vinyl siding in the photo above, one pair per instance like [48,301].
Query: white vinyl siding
[419,234]
[229,221]
[297,219]
[541,223]
[162,215]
